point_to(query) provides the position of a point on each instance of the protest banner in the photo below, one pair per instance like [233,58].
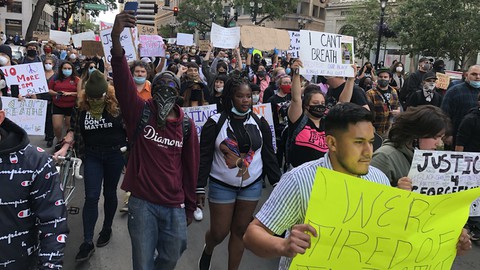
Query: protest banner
[30,78]
[128,39]
[203,45]
[365,225]
[443,81]
[146,30]
[60,37]
[225,38]
[78,38]
[264,39]
[326,54]
[41,35]
[184,39]
[265,110]
[92,48]
[294,44]
[151,46]
[443,172]
[29,114]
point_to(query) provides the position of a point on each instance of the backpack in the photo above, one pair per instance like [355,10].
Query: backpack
[287,141]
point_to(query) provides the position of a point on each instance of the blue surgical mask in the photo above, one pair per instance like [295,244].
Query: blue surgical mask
[90,70]
[235,111]
[244,66]
[474,84]
[167,56]
[67,72]
[139,80]
[288,70]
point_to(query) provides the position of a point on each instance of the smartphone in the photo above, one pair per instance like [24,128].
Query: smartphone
[14,90]
[131,6]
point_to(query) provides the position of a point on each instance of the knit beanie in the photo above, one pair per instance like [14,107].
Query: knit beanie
[96,85]
[6,50]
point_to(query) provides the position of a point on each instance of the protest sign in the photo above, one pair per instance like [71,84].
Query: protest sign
[92,48]
[29,114]
[184,39]
[443,81]
[146,30]
[225,38]
[41,35]
[128,39]
[365,225]
[203,45]
[326,54]
[443,172]
[77,38]
[265,110]
[294,44]
[172,40]
[60,37]
[264,39]
[151,46]
[30,78]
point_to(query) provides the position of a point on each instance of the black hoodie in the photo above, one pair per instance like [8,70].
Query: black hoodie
[467,135]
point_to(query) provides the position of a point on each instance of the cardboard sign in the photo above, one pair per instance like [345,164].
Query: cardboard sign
[184,39]
[29,114]
[225,38]
[92,48]
[60,37]
[326,54]
[203,45]
[146,30]
[443,172]
[294,44]
[78,38]
[151,46]
[365,225]
[41,35]
[128,39]
[30,78]
[264,39]
[443,81]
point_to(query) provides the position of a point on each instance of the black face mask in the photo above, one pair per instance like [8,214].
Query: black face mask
[31,53]
[323,79]
[196,95]
[382,83]
[261,74]
[317,110]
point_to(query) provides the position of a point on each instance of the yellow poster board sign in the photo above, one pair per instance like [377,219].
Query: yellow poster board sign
[364,225]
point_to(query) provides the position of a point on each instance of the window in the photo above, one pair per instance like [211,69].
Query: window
[315,11]
[322,14]
[305,9]
[16,7]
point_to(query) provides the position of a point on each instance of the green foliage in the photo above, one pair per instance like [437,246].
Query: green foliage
[111,4]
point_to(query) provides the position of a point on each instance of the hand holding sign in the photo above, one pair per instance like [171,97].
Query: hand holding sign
[299,240]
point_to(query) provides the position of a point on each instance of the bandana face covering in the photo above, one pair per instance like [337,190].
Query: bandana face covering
[96,107]
[165,98]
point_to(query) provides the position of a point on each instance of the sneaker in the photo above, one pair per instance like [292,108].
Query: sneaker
[104,237]
[204,262]
[198,214]
[86,251]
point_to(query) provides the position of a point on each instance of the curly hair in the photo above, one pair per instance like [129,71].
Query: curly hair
[111,102]
[232,85]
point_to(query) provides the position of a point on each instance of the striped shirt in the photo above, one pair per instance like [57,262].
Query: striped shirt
[287,205]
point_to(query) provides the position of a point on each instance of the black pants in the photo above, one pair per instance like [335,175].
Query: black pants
[48,123]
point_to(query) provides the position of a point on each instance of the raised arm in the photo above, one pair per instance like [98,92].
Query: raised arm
[239,59]
[347,92]
[295,110]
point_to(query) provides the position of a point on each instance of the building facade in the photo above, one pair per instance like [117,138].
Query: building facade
[14,19]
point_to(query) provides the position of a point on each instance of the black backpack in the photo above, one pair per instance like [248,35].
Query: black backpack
[287,141]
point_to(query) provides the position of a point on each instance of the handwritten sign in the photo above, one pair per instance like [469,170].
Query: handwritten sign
[151,45]
[264,39]
[364,225]
[294,44]
[203,45]
[29,114]
[30,78]
[92,48]
[77,38]
[226,38]
[326,54]
[127,39]
[146,29]
[41,35]
[443,172]
[443,81]
[184,39]
[60,37]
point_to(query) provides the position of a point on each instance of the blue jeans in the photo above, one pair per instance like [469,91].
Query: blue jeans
[106,166]
[155,227]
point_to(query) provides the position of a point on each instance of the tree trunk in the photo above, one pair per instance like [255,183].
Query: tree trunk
[37,13]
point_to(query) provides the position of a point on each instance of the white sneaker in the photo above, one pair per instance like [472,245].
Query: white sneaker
[198,214]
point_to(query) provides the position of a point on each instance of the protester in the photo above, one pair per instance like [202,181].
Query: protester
[97,127]
[140,71]
[48,52]
[272,88]
[32,226]
[32,54]
[217,97]
[236,149]
[48,64]
[163,193]
[427,95]
[255,94]
[193,95]
[414,81]
[367,71]
[5,55]
[398,77]
[337,85]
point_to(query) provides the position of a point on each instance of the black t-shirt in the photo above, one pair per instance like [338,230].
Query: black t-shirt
[310,143]
[240,134]
[279,112]
[218,101]
[107,131]
[358,96]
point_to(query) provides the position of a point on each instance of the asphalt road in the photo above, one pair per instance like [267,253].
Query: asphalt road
[117,254]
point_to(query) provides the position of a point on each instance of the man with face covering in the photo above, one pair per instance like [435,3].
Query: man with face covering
[414,81]
[162,169]
[427,94]
[32,54]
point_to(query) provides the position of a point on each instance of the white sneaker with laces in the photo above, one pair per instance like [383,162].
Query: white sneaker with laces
[198,214]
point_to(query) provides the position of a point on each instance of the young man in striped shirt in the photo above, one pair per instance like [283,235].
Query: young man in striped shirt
[350,135]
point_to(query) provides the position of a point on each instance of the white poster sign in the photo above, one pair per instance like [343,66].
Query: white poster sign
[326,54]
[265,110]
[225,38]
[77,38]
[442,172]
[184,39]
[294,44]
[151,45]
[29,114]
[30,78]
[128,39]
[60,37]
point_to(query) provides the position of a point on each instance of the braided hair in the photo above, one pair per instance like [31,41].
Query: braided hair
[232,85]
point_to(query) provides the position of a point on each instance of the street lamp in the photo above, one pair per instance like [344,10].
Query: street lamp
[383,4]
[255,8]
[301,23]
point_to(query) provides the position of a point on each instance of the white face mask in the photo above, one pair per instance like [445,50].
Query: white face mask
[399,69]
[219,90]
[255,98]
[3,84]
[429,86]
[48,67]
[73,56]
[3,60]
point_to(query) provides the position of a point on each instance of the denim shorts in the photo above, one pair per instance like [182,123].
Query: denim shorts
[223,195]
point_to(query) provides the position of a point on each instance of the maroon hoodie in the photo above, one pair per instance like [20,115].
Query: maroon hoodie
[162,168]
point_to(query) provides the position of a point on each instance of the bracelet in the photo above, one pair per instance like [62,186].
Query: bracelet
[236,162]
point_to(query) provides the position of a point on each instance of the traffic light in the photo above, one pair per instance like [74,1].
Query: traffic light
[167,3]
[175,11]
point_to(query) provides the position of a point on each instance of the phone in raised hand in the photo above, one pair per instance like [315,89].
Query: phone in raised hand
[131,6]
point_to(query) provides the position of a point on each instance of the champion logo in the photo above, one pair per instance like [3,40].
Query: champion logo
[61,238]
[23,214]
[60,202]
[47,176]
[26,183]
[13,159]
[40,150]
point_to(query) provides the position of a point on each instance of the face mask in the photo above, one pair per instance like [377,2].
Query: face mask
[474,84]
[261,74]
[255,98]
[399,69]
[90,70]
[196,95]
[382,83]
[73,56]
[219,90]
[236,112]
[48,67]
[31,53]
[427,66]
[96,107]
[3,84]
[167,56]
[192,60]
[3,60]
[185,60]
[67,72]
[286,88]
[429,86]
[47,50]
[317,111]
[244,66]
[139,80]
[288,70]
[193,51]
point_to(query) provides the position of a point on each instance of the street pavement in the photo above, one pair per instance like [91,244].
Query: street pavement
[117,254]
